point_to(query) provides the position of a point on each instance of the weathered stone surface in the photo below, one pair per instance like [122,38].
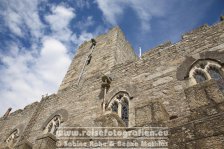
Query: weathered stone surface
[46,141]
[109,120]
[162,81]
[158,87]
[24,145]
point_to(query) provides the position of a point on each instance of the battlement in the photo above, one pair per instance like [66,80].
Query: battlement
[107,85]
[30,106]
[158,51]
[20,111]
[197,35]
[196,31]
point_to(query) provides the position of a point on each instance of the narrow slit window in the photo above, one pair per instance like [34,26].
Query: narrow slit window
[124,114]
[115,107]
[88,59]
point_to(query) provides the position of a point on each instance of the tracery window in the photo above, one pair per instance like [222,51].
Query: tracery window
[53,125]
[12,139]
[124,114]
[204,70]
[216,75]
[199,76]
[114,107]
[120,105]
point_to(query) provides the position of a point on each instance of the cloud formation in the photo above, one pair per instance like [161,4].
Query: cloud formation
[27,73]
[22,15]
[27,77]
[39,37]
[145,10]
[59,20]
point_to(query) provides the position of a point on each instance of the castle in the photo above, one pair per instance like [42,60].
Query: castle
[179,86]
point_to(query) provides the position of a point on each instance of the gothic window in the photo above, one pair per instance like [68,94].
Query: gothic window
[204,70]
[216,75]
[12,139]
[114,107]
[124,110]
[53,125]
[199,76]
[120,105]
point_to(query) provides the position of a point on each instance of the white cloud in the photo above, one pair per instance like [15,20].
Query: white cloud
[171,18]
[84,36]
[60,17]
[59,20]
[53,60]
[22,14]
[24,83]
[82,3]
[28,73]
[145,10]
[85,23]
[15,22]
[111,9]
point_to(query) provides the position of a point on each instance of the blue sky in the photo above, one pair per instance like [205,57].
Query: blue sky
[39,37]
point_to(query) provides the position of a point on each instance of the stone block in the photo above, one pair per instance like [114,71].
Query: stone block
[143,115]
[24,145]
[215,142]
[47,141]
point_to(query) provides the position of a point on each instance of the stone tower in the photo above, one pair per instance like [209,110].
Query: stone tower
[177,86]
[91,58]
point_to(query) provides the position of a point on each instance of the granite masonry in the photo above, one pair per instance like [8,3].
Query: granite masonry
[179,86]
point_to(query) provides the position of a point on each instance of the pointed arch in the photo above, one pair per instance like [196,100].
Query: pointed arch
[119,104]
[53,125]
[13,136]
[186,66]
[199,76]
[203,70]
[54,121]
[126,88]
[216,73]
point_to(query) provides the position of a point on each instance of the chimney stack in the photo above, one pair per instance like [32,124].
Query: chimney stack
[7,113]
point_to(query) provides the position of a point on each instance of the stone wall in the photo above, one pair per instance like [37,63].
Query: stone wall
[157,96]
[111,49]
[16,120]
[203,128]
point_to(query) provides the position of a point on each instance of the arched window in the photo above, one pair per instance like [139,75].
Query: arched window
[216,75]
[120,105]
[199,76]
[12,139]
[53,125]
[124,111]
[204,70]
[114,107]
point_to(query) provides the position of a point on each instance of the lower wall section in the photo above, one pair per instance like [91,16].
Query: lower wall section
[47,141]
[206,133]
